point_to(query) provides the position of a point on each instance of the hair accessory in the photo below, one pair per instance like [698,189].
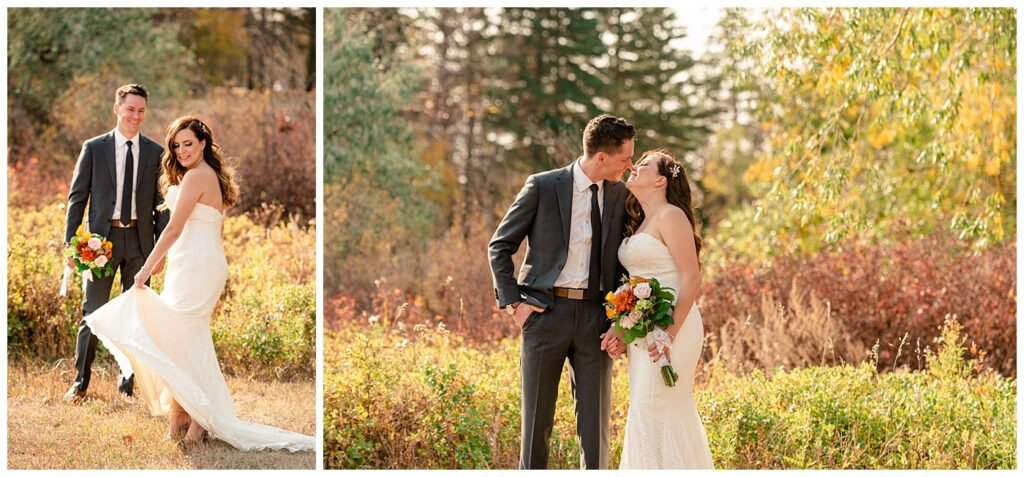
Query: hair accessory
[675,170]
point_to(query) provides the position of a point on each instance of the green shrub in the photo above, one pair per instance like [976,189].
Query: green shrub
[398,398]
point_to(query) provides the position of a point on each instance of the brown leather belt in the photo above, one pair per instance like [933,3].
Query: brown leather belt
[572,293]
[117,224]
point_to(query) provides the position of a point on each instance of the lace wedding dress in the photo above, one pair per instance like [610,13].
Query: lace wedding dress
[166,338]
[663,429]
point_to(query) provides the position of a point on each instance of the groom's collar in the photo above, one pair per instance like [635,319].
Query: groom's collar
[580,179]
[120,139]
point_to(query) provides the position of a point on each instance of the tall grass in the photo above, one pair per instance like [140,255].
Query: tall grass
[264,325]
[399,396]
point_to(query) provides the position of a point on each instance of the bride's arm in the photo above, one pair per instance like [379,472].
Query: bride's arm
[677,233]
[188,196]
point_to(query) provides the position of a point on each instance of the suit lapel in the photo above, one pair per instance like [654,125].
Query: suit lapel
[563,192]
[611,200]
[145,154]
[109,152]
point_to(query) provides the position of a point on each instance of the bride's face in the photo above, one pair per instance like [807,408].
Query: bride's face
[188,149]
[645,175]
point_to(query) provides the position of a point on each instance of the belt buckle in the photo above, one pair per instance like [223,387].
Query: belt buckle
[575,294]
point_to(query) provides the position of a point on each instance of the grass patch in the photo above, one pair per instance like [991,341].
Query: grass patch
[104,432]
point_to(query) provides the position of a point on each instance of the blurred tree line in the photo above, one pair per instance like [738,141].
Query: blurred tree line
[434,116]
[64,65]
[803,128]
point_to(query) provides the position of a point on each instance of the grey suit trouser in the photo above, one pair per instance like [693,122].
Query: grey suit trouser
[570,330]
[127,256]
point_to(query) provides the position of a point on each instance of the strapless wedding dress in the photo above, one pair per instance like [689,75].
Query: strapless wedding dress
[663,428]
[166,338]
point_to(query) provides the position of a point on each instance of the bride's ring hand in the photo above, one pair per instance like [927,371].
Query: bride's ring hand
[655,354]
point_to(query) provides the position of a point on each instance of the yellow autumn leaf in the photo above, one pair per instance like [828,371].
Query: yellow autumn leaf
[992,166]
[972,161]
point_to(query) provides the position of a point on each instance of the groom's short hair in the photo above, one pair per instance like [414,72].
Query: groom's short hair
[606,133]
[133,88]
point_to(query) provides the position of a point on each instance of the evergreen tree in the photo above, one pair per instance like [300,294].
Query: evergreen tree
[374,186]
[651,82]
[543,83]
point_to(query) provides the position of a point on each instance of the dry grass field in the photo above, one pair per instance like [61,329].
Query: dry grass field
[107,432]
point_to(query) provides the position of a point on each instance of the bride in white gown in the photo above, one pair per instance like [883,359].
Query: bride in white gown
[166,338]
[663,428]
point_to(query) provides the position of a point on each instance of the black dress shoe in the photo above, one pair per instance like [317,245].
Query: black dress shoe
[74,394]
[127,385]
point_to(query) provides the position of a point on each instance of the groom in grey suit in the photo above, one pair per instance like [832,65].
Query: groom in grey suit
[572,219]
[117,175]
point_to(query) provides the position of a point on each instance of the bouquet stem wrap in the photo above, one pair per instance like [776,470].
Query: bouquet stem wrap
[663,342]
[66,279]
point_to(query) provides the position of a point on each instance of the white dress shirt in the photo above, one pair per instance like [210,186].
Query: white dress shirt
[121,156]
[576,272]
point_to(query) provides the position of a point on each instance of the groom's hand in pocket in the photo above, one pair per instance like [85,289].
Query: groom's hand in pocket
[522,312]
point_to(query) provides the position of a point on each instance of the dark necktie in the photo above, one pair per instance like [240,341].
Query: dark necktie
[126,189]
[594,282]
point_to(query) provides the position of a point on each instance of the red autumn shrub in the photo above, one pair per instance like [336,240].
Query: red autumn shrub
[888,292]
[761,316]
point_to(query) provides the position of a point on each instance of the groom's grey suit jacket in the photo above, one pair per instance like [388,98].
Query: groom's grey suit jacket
[95,183]
[542,213]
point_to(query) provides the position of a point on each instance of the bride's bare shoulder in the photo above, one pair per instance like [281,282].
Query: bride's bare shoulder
[202,174]
[671,213]
[672,219]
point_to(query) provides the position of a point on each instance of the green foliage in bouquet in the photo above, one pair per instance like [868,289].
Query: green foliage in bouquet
[654,310]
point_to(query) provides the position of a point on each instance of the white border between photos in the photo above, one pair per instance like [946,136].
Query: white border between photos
[3,229]
[319,108]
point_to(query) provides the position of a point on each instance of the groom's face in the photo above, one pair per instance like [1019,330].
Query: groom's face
[616,163]
[131,112]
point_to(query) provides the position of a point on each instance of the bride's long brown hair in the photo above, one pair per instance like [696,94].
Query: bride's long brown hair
[677,192]
[174,171]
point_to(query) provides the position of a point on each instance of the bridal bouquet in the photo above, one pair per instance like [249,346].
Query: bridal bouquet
[642,308]
[91,254]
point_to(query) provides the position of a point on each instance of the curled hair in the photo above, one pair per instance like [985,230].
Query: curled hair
[174,171]
[677,192]
[606,133]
